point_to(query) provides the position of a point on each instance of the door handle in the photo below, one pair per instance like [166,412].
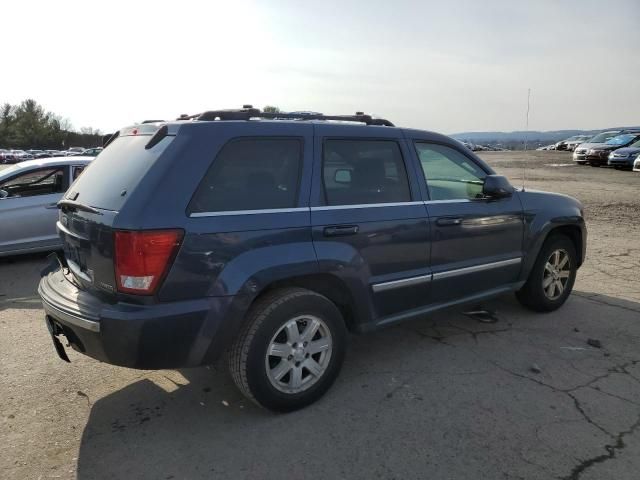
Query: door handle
[51,206]
[340,231]
[448,221]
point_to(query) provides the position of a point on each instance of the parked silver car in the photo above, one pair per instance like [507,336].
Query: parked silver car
[29,192]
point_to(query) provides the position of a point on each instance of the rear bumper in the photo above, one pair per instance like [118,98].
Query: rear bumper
[167,335]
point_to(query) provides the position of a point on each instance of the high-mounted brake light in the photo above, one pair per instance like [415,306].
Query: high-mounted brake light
[143,258]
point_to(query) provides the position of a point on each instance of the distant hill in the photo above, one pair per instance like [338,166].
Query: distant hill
[515,139]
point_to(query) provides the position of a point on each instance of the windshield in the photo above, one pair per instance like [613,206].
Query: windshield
[602,137]
[8,171]
[635,144]
[621,139]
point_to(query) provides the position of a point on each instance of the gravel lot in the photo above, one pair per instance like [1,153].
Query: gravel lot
[518,395]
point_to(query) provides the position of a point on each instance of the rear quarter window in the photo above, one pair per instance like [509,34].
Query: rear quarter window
[119,168]
[251,174]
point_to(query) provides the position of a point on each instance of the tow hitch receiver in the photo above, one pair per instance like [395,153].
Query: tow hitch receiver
[56,342]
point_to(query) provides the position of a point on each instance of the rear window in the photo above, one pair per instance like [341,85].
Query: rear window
[119,168]
[251,174]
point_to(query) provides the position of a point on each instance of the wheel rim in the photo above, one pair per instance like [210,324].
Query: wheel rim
[557,271]
[298,354]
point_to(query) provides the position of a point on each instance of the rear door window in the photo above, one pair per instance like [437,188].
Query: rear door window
[364,172]
[76,171]
[251,174]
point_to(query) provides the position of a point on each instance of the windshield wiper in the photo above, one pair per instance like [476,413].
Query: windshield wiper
[78,206]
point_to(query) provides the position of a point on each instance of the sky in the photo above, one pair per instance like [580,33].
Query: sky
[453,66]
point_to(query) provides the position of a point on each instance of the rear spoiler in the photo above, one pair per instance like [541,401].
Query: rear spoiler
[153,129]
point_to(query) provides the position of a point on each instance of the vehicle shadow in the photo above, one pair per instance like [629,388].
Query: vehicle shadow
[19,277]
[194,423]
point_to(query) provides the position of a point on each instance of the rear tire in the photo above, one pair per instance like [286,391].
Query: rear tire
[272,361]
[552,276]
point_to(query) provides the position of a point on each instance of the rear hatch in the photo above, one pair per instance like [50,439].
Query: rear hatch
[89,209]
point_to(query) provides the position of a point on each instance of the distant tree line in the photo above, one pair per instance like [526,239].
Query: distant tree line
[28,125]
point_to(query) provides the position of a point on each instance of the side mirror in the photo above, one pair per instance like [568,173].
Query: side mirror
[3,193]
[497,186]
[342,175]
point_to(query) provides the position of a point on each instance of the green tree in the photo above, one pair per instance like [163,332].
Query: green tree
[271,109]
[7,118]
[28,125]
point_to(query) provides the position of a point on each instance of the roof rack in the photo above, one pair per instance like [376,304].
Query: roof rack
[247,112]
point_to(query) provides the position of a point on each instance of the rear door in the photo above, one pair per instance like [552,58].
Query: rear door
[476,243]
[368,222]
[28,215]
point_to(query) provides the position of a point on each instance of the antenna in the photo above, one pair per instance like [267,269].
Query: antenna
[526,135]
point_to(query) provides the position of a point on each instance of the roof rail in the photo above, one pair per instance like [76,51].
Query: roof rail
[247,112]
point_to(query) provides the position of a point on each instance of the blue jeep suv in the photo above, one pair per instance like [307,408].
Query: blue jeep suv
[269,236]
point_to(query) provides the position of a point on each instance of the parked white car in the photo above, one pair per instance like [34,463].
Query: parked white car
[29,192]
[636,165]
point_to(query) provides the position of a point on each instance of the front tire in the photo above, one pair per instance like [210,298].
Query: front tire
[290,351]
[552,276]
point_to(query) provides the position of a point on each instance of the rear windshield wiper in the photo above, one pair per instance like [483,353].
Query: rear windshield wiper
[78,206]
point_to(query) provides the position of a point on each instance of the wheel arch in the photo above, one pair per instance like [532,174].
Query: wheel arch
[574,232]
[328,285]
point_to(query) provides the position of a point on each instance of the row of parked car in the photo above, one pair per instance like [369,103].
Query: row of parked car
[17,156]
[616,148]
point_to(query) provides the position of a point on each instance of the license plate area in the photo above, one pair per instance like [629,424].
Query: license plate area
[76,253]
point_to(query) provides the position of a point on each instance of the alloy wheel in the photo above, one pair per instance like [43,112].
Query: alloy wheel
[298,354]
[556,275]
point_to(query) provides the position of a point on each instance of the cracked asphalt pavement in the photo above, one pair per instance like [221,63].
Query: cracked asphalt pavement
[507,394]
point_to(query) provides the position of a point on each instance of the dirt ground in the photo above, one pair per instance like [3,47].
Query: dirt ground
[517,395]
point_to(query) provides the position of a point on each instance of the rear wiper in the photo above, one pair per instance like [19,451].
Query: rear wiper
[78,206]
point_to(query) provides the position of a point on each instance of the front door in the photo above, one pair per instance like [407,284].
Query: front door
[368,221]
[476,243]
[29,211]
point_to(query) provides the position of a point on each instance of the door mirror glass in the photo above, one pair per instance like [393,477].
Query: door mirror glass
[342,175]
[497,186]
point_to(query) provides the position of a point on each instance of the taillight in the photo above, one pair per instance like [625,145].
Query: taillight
[143,258]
